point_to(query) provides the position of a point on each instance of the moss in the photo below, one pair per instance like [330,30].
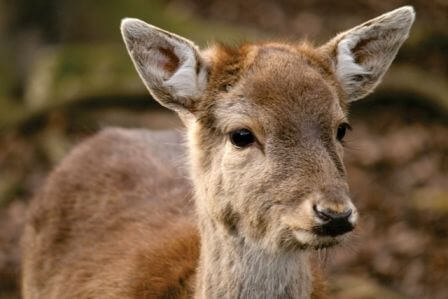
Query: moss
[8,74]
[76,71]
[10,113]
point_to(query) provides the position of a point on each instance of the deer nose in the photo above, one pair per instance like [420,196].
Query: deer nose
[334,223]
[330,215]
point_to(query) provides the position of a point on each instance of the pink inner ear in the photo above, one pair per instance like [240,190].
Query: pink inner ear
[171,62]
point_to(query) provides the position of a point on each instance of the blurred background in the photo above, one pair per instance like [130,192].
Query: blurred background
[65,74]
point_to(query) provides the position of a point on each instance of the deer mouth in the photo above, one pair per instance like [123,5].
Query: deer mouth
[311,240]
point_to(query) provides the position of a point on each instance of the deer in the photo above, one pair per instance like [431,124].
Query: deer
[235,205]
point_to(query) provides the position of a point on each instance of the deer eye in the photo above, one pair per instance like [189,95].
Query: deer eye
[242,138]
[342,130]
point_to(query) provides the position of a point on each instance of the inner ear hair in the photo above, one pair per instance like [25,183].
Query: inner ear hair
[362,55]
[170,66]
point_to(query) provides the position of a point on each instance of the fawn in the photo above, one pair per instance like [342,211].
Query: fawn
[263,183]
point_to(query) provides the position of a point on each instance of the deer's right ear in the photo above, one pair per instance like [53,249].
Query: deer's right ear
[170,66]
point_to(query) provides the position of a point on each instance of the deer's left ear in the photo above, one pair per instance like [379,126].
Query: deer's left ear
[362,55]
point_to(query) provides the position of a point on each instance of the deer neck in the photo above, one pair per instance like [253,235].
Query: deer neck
[231,268]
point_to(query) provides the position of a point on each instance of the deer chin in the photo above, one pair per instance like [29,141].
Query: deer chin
[310,240]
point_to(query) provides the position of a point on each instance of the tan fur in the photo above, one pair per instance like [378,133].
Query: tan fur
[116,219]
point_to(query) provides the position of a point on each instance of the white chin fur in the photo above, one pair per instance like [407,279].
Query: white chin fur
[309,239]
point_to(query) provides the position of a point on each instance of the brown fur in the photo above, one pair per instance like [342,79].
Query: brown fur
[80,246]
[87,231]
[116,219]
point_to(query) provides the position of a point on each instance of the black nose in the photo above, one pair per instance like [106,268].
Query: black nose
[335,223]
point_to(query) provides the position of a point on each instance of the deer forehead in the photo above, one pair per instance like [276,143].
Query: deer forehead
[282,88]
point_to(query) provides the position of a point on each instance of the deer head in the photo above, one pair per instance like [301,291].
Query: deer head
[266,125]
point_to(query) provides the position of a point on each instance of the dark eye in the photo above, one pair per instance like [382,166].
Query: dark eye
[242,138]
[342,130]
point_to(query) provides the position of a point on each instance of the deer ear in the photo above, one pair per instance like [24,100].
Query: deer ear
[362,55]
[170,66]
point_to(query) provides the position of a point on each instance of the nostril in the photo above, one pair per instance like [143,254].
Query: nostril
[334,223]
[344,214]
[327,214]
[321,214]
